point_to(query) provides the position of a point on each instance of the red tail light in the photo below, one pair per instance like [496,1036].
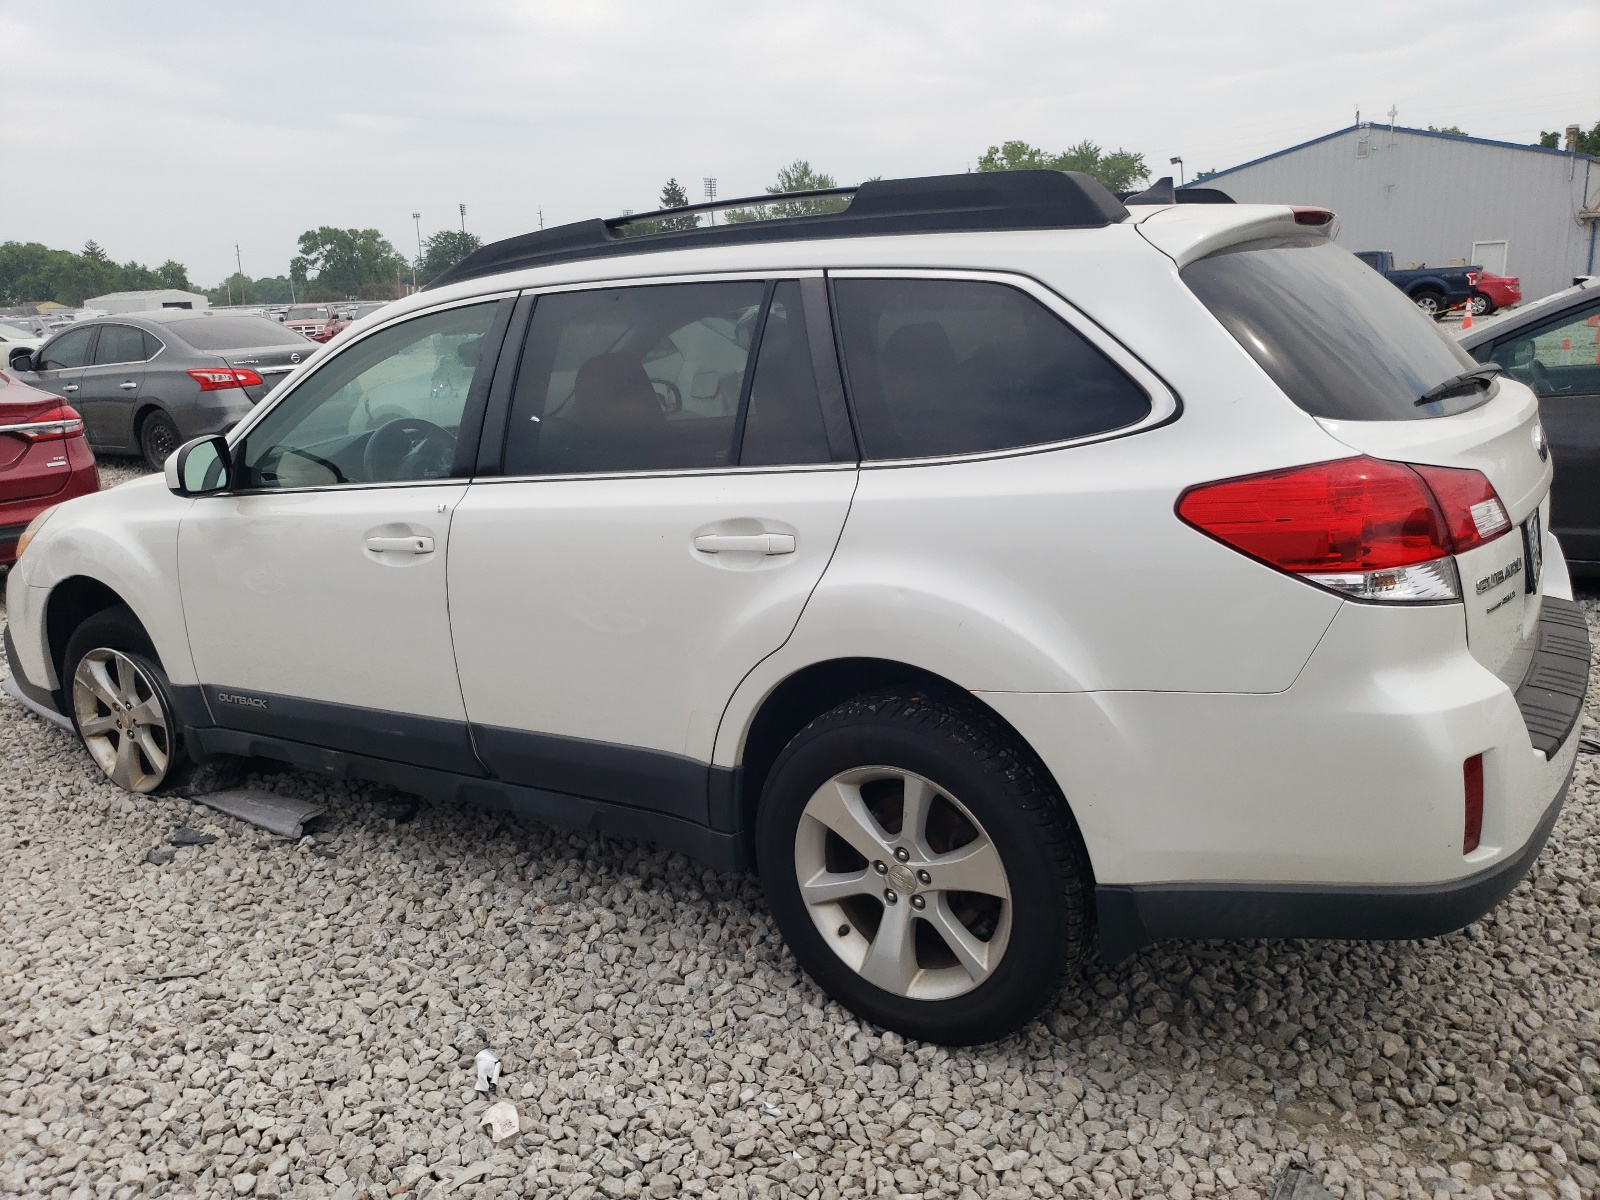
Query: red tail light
[1472,780]
[1364,527]
[215,379]
[50,426]
[1472,277]
[1311,216]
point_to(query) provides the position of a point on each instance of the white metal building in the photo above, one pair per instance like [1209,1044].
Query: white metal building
[132,302]
[1441,199]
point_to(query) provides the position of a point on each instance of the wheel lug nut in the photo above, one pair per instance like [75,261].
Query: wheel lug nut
[918,902]
[881,867]
[889,897]
[902,854]
[924,877]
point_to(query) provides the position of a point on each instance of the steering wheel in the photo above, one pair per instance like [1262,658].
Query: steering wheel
[672,401]
[408,448]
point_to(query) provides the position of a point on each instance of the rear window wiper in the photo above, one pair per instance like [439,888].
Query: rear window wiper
[1456,384]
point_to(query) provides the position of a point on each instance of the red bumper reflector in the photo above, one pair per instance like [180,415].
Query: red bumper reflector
[1472,777]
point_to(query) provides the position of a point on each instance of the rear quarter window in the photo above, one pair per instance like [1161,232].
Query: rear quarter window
[1338,338]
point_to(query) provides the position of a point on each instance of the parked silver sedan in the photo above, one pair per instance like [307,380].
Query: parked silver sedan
[145,383]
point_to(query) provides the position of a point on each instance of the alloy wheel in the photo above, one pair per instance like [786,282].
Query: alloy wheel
[903,883]
[1428,304]
[122,720]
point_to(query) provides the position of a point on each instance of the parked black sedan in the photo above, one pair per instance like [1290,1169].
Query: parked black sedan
[147,382]
[1553,346]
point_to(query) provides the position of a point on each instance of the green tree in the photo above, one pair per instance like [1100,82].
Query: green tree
[798,176]
[1453,130]
[1119,170]
[674,196]
[1588,142]
[443,250]
[341,262]
[174,275]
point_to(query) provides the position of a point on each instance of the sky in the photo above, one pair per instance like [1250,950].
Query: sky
[179,129]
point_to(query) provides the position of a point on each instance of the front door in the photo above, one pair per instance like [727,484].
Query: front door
[59,363]
[109,395]
[1560,360]
[314,593]
[671,498]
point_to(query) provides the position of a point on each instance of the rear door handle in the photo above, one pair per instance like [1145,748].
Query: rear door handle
[401,545]
[749,543]
[71,387]
[129,386]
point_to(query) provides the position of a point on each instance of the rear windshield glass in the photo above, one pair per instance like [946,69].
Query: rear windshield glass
[235,333]
[1337,337]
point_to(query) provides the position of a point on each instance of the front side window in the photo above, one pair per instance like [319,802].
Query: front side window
[385,410]
[1561,357]
[71,349]
[942,366]
[641,378]
[119,344]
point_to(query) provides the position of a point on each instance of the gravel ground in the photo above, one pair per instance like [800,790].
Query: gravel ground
[300,1018]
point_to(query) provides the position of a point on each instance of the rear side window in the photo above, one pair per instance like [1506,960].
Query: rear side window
[119,344]
[235,333]
[1338,338]
[941,366]
[645,378]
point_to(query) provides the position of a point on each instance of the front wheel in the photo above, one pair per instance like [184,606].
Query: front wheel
[923,867]
[121,705]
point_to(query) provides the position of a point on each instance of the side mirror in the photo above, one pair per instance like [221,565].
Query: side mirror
[21,359]
[200,468]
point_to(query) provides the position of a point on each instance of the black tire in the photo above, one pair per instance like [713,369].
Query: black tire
[1430,302]
[969,755]
[118,630]
[158,438]
[1482,305]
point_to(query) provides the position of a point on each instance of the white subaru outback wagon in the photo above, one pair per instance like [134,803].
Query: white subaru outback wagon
[1000,569]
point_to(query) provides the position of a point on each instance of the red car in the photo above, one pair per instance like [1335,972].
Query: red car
[1490,292]
[44,459]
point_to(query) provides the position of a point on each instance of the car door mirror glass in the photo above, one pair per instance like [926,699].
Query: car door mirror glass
[21,359]
[200,467]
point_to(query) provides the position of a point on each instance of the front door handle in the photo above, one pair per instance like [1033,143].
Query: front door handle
[401,545]
[129,386]
[749,543]
[71,387]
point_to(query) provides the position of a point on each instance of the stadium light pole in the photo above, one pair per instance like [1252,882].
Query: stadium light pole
[417,217]
[711,195]
[1178,162]
[463,218]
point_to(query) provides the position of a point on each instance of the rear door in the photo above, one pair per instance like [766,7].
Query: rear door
[1559,358]
[110,386]
[671,493]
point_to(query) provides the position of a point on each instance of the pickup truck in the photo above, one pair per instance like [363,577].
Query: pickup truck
[1435,290]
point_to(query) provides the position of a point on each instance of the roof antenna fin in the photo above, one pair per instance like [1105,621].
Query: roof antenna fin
[1159,192]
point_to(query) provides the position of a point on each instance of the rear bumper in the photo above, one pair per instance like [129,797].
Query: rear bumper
[1132,917]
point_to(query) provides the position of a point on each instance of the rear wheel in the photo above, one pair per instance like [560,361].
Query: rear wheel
[1482,306]
[158,438]
[121,702]
[923,867]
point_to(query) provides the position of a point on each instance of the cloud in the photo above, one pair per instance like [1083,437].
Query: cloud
[173,129]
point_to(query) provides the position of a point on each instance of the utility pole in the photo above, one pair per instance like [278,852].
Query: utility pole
[417,217]
[711,195]
[541,218]
[239,263]
[463,218]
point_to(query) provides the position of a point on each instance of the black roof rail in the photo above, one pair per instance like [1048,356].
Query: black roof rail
[989,200]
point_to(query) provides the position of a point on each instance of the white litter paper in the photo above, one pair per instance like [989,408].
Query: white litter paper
[502,1120]
[282,815]
[488,1063]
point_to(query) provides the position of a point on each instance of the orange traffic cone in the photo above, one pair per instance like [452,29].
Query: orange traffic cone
[1466,316]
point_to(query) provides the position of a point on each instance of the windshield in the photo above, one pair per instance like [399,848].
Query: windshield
[1338,338]
[306,314]
[236,333]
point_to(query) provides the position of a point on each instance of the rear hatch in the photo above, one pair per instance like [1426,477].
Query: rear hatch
[30,468]
[1351,351]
